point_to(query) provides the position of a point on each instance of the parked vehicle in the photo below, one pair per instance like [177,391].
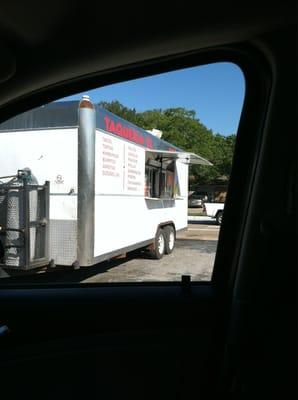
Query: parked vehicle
[196,199]
[214,210]
[114,187]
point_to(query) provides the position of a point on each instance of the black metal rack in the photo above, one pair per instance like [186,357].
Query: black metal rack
[26,244]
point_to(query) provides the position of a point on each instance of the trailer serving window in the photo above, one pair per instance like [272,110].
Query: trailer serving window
[159,182]
[160,176]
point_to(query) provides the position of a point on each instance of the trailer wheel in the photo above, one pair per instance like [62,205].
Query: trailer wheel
[169,238]
[159,245]
[219,217]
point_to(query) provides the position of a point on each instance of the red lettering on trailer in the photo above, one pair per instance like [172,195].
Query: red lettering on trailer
[112,127]
[126,132]
[107,120]
[119,129]
[149,142]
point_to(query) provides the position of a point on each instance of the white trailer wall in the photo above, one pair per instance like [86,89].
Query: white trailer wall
[51,154]
[123,217]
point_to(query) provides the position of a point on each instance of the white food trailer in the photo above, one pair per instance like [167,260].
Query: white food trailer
[114,187]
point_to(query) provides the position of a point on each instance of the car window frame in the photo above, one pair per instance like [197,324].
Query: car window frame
[258,83]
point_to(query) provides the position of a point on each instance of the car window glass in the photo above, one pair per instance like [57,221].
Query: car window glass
[125,183]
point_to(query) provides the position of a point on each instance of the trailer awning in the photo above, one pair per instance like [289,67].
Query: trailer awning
[187,158]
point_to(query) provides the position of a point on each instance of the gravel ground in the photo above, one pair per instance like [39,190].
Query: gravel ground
[193,255]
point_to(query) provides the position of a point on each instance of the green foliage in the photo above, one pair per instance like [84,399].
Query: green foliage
[182,128]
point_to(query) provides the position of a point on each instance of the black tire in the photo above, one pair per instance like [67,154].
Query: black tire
[158,248]
[170,238]
[219,217]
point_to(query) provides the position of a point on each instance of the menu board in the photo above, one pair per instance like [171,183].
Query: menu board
[134,174]
[109,162]
[120,166]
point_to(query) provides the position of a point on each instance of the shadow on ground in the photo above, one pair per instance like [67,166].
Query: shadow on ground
[64,274]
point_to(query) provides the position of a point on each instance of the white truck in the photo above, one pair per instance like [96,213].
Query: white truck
[214,210]
[113,187]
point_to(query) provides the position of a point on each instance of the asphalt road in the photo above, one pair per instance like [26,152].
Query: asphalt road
[193,255]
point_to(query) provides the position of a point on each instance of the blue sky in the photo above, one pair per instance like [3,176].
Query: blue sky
[214,91]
